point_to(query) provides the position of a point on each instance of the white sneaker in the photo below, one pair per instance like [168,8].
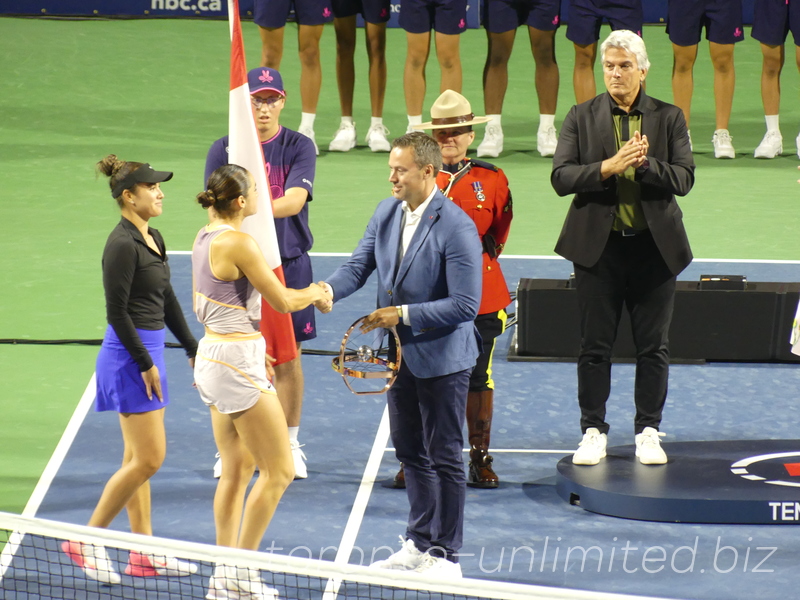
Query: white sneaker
[300,470]
[797,143]
[689,133]
[771,146]
[345,138]
[309,133]
[591,449]
[151,565]
[546,141]
[238,583]
[407,558]
[723,144]
[648,447]
[217,467]
[439,567]
[376,139]
[93,560]
[492,144]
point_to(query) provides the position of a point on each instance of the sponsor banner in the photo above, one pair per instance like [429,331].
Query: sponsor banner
[655,11]
[124,8]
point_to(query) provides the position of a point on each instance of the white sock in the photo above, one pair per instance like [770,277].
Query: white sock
[293,431]
[546,121]
[307,120]
[495,120]
[414,119]
[772,123]
[348,121]
[376,121]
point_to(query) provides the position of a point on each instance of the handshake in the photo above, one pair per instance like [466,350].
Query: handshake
[386,317]
[323,296]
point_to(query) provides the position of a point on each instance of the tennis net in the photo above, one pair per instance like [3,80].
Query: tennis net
[34,566]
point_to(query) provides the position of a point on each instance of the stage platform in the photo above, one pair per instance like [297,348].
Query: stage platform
[743,481]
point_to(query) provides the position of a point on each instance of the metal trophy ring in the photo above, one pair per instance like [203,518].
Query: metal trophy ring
[368,362]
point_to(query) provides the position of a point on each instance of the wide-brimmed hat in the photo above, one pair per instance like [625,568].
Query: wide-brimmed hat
[451,109]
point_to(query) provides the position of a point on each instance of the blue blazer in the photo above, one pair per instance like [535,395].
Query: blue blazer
[439,279]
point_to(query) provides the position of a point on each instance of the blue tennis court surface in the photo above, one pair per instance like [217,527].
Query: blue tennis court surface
[522,531]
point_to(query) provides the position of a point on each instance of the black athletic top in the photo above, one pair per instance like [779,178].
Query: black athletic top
[138,292]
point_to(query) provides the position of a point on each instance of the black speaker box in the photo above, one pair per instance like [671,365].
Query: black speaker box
[751,324]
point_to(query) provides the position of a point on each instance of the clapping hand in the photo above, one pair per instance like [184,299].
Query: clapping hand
[644,148]
[633,153]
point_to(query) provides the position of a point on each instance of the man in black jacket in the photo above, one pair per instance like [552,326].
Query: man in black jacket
[624,156]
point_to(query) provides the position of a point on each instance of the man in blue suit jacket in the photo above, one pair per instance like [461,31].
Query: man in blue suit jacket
[427,255]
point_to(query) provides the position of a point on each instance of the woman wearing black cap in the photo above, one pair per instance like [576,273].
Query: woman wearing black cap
[130,366]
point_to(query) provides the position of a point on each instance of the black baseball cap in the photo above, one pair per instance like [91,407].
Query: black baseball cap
[144,174]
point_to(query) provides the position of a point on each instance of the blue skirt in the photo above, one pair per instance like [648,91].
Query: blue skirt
[119,382]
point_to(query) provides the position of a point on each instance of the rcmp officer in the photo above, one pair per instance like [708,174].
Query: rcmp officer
[481,190]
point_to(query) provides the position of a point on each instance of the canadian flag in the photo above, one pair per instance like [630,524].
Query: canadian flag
[244,149]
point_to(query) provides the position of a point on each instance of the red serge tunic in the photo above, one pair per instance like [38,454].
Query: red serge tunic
[481,190]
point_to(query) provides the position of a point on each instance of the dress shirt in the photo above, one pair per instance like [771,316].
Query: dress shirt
[629,212]
[411,220]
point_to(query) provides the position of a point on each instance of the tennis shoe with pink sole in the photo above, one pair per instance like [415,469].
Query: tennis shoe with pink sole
[93,560]
[154,565]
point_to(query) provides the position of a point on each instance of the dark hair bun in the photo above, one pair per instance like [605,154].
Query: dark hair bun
[206,198]
[110,165]
[225,185]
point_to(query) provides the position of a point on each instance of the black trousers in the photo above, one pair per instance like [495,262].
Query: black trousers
[632,273]
[489,326]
